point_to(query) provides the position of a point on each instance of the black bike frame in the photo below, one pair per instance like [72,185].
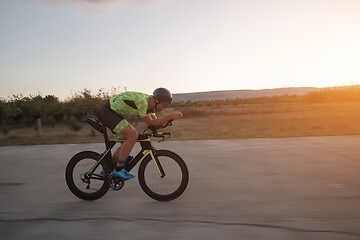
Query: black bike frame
[146,148]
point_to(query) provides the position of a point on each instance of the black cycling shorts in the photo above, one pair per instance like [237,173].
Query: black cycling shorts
[109,118]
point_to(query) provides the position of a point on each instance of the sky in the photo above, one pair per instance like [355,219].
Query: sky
[61,47]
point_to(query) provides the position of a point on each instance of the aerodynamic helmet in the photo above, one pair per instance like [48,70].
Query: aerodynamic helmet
[163,95]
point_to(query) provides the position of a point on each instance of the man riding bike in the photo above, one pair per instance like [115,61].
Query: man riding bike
[133,103]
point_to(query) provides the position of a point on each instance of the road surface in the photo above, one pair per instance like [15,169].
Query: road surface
[284,188]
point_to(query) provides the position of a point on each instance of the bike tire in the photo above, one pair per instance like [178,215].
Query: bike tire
[88,158]
[177,166]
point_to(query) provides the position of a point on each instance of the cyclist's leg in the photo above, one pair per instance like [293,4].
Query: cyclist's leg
[131,135]
[115,156]
[121,128]
[114,122]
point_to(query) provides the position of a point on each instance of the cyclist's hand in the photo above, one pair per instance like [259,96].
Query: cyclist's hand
[176,115]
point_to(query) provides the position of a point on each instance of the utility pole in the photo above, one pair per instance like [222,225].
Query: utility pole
[39,127]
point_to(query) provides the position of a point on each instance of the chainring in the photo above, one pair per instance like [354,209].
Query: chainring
[116,183]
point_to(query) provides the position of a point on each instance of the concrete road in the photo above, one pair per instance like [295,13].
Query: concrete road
[288,188]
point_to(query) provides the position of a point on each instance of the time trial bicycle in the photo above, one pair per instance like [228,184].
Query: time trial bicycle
[163,175]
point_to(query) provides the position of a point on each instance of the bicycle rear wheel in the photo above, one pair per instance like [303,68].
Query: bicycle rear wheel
[87,188]
[172,185]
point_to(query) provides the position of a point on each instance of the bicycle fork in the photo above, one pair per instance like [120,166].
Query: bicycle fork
[156,162]
[148,148]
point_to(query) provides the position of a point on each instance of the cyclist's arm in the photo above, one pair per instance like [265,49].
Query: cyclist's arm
[149,120]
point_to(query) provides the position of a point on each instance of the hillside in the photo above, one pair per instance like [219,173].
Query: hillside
[218,95]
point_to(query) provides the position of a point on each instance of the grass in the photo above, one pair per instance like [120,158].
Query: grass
[273,120]
[60,134]
[266,120]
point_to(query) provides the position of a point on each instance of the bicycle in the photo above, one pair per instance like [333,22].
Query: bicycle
[164,180]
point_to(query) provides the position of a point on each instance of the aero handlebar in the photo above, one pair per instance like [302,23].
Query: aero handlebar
[155,133]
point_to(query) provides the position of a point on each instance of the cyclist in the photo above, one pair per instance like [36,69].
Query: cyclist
[133,103]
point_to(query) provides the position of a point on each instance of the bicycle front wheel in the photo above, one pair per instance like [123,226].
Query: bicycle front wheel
[87,188]
[169,187]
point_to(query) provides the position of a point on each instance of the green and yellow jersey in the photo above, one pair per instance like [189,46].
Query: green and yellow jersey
[131,103]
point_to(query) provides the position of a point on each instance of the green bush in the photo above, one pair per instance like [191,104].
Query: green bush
[4,129]
[75,125]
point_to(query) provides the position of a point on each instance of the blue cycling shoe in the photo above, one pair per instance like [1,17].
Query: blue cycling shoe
[123,174]
[102,172]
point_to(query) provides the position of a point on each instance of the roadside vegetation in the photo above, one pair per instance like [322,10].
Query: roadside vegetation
[331,111]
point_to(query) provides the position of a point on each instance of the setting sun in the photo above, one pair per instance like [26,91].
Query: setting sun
[63,47]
